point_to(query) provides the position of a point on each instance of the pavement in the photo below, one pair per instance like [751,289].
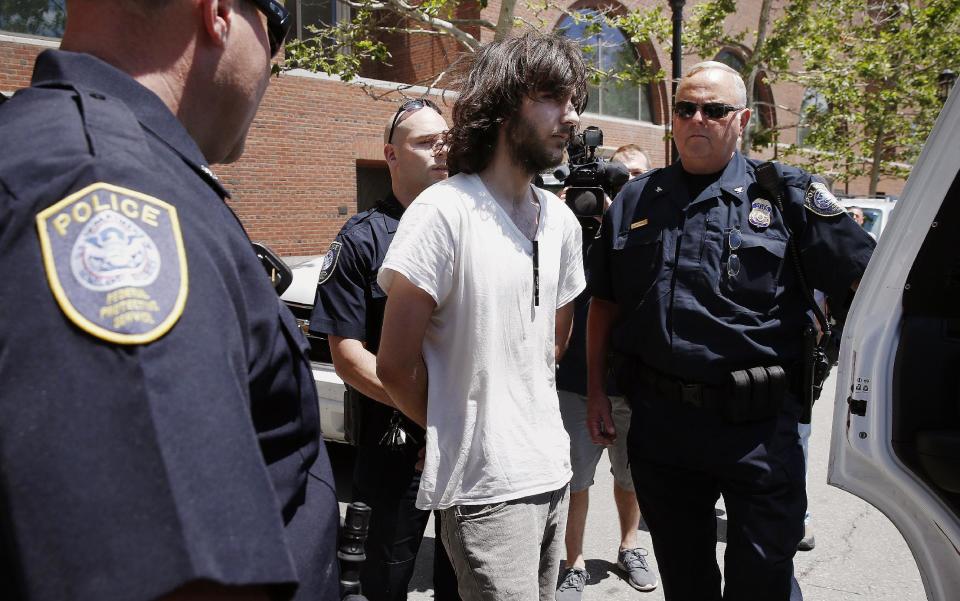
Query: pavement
[859,554]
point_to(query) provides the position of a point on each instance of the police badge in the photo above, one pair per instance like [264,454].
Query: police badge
[760,211]
[329,262]
[820,201]
[115,262]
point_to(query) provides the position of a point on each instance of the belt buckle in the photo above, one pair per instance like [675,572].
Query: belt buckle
[691,394]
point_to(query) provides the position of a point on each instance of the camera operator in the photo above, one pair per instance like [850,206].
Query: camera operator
[633,158]
[584,453]
[349,309]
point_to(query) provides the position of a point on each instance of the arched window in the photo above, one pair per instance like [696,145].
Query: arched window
[813,103]
[606,48]
[764,115]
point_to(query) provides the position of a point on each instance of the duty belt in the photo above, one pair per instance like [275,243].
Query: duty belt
[750,394]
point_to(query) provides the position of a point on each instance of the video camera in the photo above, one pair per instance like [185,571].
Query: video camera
[589,177]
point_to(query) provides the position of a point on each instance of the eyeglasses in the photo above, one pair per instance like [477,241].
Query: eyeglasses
[408,107]
[734,240]
[712,110]
[279,22]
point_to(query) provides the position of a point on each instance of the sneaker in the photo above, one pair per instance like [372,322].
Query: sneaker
[808,542]
[571,586]
[633,562]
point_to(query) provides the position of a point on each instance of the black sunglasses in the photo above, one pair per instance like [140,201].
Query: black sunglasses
[279,22]
[712,110]
[407,107]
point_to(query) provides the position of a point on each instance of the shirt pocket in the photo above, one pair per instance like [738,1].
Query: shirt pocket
[754,285]
[636,259]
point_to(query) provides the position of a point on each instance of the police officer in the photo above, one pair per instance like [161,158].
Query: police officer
[349,309]
[695,291]
[159,430]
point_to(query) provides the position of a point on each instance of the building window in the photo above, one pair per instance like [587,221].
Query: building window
[813,103]
[606,48]
[34,17]
[318,13]
[763,115]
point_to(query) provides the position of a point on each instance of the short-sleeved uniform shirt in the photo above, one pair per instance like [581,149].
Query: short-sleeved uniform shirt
[494,431]
[158,419]
[350,303]
[686,307]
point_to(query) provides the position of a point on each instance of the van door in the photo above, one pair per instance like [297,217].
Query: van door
[896,427]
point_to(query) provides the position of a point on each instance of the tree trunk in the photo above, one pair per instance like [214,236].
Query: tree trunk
[877,160]
[505,21]
[753,69]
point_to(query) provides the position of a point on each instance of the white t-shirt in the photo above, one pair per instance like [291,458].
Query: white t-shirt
[494,431]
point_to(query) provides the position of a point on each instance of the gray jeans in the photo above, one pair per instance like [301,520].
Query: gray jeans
[507,551]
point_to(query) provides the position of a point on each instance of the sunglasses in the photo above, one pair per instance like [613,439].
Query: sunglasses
[279,22]
[408,107]
[734,240]
[711,110]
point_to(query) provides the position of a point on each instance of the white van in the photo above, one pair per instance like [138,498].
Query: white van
[896,424]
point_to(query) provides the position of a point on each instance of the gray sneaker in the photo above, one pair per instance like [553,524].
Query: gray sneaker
[571,586]
[633,562]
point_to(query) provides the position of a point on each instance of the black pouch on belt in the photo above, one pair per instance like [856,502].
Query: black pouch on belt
[755,394]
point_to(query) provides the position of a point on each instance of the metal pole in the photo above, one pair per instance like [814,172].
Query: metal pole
[677,57]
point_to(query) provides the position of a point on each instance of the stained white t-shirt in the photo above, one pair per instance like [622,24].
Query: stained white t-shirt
[494,431]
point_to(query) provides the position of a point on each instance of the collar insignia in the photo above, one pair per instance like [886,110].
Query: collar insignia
[115,262]
[738,189]
[761,210]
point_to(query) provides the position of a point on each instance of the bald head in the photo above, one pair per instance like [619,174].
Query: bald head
[207,60]
[416,157]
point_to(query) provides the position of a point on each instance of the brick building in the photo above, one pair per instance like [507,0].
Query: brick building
[315,152]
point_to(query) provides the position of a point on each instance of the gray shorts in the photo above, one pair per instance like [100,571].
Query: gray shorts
[508,550]
[584,455]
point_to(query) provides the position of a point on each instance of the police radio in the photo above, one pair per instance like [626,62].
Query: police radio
[817,347]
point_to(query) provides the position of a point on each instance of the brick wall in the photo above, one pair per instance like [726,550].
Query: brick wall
[296,183]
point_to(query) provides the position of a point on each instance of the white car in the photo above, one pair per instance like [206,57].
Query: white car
[896,424]
[299,297]
[876,213]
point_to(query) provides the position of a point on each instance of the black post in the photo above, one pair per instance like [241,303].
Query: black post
[945,83]
[677,57]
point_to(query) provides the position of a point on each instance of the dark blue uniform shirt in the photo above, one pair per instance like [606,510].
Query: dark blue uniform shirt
[350,303]
[158,418]
[664,258]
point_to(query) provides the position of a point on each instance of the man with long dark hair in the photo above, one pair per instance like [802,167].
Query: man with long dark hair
[481,278]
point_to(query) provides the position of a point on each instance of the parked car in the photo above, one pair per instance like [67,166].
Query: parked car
[876,212]
[896,423]
[299,297]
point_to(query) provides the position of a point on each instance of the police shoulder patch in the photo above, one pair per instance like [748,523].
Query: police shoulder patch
[115,262]
[329,262]
[820,201]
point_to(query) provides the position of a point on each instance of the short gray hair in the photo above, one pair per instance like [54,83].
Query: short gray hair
[739,87]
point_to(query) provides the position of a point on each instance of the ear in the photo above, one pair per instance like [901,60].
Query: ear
[390,153]
[217,19]
[744,119]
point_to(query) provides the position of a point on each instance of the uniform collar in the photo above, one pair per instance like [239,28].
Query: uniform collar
[58,68]
[391,207]
[731,181]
